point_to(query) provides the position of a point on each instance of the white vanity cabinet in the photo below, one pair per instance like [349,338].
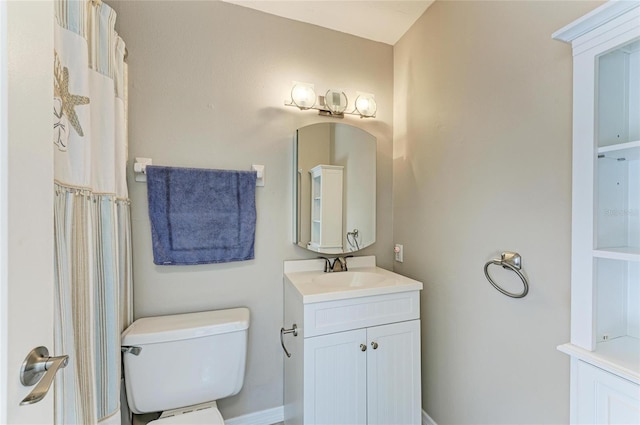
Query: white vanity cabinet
[363,376]
[605,250]
[355,359]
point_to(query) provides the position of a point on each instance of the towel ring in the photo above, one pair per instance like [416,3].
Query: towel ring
[512,261]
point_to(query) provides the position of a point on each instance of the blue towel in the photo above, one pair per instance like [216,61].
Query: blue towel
[201,216]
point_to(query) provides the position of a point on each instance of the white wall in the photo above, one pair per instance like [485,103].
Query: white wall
[207,85]
[482,144]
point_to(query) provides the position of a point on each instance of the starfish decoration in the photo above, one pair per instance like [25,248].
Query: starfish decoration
[69,101]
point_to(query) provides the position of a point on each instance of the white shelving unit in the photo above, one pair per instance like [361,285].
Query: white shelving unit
[326,208]
[605,264]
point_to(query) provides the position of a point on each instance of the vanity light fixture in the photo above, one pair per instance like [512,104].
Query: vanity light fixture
[334,103]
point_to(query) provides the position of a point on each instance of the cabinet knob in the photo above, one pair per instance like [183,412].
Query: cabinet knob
[374,345]
[363,347]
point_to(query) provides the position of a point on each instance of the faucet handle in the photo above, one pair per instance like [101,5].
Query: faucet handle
[327,264]
[345,262]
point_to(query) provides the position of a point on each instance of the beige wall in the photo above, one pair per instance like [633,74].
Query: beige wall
[482,145]
[207,85]
[481,163]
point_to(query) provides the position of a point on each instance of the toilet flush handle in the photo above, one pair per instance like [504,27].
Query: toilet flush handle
[131,350]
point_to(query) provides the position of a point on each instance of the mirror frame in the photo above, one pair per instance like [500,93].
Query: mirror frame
[350,243]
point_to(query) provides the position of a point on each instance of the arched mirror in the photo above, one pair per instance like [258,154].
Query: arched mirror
[335,188]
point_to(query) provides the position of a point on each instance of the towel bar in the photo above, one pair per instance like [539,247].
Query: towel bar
[140,170]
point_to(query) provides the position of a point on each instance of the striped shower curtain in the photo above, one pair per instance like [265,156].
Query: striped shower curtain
[91,212]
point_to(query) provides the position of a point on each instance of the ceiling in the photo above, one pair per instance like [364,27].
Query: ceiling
[378,20]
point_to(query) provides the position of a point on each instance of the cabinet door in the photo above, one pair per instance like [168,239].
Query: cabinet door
[604,398]
[335,381]
[393,372]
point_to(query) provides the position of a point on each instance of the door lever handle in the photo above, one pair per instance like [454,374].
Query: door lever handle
[39,368]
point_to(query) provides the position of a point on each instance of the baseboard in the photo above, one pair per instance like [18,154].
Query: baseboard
[426,419]
[264,417]
[276,415]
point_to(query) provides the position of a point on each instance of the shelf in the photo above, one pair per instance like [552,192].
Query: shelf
[618,253]
[620,356]
[629,151]
[620,146]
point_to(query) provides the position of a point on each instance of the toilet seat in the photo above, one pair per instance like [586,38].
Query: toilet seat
[207,415]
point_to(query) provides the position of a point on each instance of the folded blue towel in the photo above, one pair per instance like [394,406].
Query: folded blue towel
[201,216]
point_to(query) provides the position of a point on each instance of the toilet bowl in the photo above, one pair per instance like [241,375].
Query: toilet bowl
[181,364]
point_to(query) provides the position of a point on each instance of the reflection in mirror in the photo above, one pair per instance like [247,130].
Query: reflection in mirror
[335,188]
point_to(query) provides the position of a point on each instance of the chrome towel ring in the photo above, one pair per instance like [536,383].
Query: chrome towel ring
[512,261]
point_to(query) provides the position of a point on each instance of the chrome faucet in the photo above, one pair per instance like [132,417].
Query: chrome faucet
[339,264]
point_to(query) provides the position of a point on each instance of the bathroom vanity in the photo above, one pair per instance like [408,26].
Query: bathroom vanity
[354,343]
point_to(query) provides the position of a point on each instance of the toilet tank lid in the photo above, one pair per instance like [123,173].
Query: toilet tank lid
[151,330]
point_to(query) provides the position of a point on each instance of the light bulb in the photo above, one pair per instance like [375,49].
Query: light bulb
[303,95]
[336,101]
[366,105]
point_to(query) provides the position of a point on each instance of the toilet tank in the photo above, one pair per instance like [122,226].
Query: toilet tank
[185,359]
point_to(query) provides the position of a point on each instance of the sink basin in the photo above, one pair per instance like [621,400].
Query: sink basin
[351,279]
[364,279]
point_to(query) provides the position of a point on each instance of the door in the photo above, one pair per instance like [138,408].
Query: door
[604,398]
[393,373]
[26,200]
[335,381]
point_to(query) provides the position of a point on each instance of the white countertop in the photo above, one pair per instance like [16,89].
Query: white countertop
[362,280]
[620,356]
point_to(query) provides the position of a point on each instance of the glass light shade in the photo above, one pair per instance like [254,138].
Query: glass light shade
[303,95]
[335,101]
[366,105]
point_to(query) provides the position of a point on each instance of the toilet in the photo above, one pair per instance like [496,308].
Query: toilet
[181,364]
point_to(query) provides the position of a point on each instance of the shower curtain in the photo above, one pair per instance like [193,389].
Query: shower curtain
[92,230]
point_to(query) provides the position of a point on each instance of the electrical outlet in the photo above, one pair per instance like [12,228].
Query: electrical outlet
[399,252]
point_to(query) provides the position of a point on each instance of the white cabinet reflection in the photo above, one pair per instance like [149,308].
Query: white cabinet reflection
[347,208]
